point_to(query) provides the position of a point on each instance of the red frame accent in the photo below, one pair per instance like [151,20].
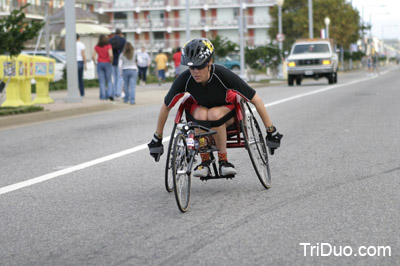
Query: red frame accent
[234,138]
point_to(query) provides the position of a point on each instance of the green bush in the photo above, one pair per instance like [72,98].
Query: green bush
[19,110]
[355,56]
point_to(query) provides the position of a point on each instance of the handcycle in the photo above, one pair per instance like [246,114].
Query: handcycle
[184,147]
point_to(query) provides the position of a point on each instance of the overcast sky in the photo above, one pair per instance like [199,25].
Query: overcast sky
[383,14]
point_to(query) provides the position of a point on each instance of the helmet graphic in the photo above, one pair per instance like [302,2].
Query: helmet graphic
[197,52]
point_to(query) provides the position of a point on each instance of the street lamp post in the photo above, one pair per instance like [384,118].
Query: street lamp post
[70,48]
[280,37]
[327,22]
[310,20]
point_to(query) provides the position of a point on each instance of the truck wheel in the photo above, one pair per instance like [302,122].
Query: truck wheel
[335,79]
[236,69]
[290,80]
[298,81]
[331,78]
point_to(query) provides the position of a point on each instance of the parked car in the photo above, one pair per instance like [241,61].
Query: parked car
[61,61]
[231,62]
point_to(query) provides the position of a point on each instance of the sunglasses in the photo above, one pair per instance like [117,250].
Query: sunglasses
[199,67]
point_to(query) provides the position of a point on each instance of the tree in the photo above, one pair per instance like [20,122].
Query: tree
[223,46]
[344,27]
[262,56]
[15,31]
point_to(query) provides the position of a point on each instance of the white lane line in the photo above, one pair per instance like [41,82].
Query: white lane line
[110,157]
[75,168]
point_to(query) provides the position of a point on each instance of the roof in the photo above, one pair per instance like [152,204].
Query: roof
[81,15]
[86,29]
[86,23]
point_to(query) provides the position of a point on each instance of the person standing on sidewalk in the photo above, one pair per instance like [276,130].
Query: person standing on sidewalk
[177,61]
[143,62]
[104,54]
[81,58]
[127,66]
[117,43]
[161,61]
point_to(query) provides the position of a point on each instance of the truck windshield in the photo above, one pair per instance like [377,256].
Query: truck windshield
[311,48]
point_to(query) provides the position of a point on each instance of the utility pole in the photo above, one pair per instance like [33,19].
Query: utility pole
[241,37]
[187,21]
[70,48]
[151,37]
[47,33]
[310,20]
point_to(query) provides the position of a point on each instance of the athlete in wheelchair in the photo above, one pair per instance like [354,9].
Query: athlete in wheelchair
[214,91]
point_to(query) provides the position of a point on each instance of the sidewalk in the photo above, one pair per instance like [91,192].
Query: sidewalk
[145,95]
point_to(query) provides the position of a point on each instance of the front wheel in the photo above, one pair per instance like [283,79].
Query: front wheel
[169,183]
[331,78]
[298,81]
[182,181]
[255,145]
[290,80]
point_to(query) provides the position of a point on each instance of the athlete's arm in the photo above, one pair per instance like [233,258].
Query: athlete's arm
[162,118]
[261,110]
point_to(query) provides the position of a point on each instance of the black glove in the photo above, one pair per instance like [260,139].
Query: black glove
[273,139]
[156,147]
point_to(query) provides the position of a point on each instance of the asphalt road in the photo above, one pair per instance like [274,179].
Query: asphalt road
[91,194]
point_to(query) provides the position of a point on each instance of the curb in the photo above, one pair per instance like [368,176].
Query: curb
[46,115]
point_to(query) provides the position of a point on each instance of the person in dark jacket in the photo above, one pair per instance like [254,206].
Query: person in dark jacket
[117,43]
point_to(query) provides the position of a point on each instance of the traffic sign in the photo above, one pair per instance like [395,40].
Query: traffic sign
[280,37]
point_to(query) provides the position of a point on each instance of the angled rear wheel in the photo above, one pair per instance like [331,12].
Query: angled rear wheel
[255,145]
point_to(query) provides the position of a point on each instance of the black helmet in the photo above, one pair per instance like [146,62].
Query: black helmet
[197,52]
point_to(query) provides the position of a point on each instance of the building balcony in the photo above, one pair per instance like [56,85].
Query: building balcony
[179,24]
[168,45]
[170,5]
[31,12]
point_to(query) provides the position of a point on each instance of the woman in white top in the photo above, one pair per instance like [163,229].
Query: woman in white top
[127,66]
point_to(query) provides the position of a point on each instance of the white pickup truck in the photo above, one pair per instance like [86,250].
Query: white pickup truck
[312,59]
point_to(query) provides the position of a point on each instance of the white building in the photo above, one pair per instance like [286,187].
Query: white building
[162,23]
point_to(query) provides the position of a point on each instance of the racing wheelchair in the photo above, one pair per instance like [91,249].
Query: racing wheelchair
[184,147]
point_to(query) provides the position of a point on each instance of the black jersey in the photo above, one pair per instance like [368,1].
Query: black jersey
[220,89]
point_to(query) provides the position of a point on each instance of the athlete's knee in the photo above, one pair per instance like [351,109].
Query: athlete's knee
[200,113]
[215,114]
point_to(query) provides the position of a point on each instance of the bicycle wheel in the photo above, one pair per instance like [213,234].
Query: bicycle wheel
[169,182]
[255,145]
[182,180]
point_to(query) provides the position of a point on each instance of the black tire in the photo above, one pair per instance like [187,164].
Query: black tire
[298,81]
[169,182]
[255,145]
[335,78]
[236,68]
[182,181]
[331,78]
[290,80]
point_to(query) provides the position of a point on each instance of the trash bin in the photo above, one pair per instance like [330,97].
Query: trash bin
[13,69]
[43,73]
[25,88]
